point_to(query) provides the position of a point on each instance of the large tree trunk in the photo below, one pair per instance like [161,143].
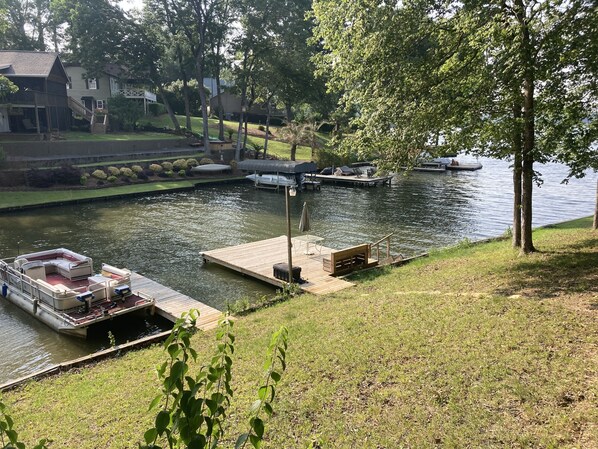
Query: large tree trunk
[169,110]
[293,151]
[517,177]
[595,224]
[527,245]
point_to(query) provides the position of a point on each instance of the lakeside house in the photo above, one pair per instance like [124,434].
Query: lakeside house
[41,103]
[93,93]
[257,113]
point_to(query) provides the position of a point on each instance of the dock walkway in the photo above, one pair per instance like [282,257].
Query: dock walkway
[170,304]
[256,259]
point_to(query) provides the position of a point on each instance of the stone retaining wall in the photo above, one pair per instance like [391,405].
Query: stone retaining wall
[19,151]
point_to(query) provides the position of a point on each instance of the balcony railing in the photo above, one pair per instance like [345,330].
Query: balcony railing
[137,93]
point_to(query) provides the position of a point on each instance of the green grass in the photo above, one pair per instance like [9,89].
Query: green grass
[85,136]
[472,347]
[29,198]
[275,147]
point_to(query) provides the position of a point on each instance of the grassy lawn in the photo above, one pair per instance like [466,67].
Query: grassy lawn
[28,198]
[85,136]
[280,149]
[472,347]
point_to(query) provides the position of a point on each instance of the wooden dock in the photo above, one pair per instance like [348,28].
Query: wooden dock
[360,181]
[170,304]
[256,259]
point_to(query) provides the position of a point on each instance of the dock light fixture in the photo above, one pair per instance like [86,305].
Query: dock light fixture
[289,191]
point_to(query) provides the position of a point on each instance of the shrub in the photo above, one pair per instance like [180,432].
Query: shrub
[205,161]
[192,163]
[156,109]
[155,168]
[133,177]
[169,173]
[84,179]
[99,174]
[39,178]
[233,165]
[66,175]
[179,164]
[182,173]
[167,165]
[112,179]
[261,128]
[137,169]
[114,171]
[127,172]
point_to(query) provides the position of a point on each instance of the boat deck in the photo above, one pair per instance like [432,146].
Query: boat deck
[170,304]
[360,181]
[256,259]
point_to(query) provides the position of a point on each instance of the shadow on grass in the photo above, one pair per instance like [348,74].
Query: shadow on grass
[574,269]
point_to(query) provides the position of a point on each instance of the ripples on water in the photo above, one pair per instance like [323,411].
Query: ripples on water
[161,236]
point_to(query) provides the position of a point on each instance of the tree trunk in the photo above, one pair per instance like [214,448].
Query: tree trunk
[293,151]
[169,110]
[289,111]
[517,177]
[595,224]
[199,64]
[267,137]
[241,121]
[527,245]
[186,100]
[245,131]
[219,96]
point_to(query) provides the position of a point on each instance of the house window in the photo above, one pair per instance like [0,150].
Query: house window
[69,85]
[100,104]
[92,84]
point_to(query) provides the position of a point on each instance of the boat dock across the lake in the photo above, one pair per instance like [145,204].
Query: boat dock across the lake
[170,304]
[256,259]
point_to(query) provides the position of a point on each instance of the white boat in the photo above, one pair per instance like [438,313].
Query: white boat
[211,168]
[272,180]
[59,288]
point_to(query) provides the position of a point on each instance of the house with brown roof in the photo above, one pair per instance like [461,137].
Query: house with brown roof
[41,104]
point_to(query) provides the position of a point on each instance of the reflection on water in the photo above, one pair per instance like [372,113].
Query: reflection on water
[161,236]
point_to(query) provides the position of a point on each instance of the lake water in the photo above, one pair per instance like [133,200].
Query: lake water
[161,236]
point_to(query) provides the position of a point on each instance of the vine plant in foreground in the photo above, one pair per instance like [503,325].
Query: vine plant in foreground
[194,408]
[9,438]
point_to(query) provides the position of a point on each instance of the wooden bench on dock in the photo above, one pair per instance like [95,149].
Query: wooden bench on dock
[347,260]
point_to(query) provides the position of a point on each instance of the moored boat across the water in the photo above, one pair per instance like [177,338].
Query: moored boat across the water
[59,288]
[272,180]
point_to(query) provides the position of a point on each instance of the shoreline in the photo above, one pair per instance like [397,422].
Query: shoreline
[118,350]
[158,187]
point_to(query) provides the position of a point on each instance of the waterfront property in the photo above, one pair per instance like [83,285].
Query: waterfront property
[41,103]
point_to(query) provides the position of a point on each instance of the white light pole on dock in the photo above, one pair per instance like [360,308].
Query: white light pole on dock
[288,192]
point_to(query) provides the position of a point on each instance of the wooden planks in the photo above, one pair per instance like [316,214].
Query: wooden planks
[171,304]
[256,259]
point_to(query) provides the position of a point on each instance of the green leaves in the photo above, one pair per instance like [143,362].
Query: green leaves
[195,406]
[8,432]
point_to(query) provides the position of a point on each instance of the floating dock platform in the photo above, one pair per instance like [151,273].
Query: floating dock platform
[360,181]
[170,304]
[257,259]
